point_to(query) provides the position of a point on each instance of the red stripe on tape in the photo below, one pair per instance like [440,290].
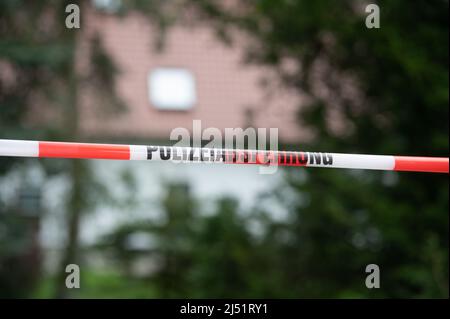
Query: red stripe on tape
[421,164]
[84,150]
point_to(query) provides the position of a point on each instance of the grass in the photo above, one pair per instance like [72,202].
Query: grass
[100,284]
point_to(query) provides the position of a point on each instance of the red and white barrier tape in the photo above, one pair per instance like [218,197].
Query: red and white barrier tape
[226,156]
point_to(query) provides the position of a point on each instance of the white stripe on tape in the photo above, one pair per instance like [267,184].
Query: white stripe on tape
[138,152]
[361,161]
[19,148]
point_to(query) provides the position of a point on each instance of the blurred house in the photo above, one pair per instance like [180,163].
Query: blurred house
[192,76]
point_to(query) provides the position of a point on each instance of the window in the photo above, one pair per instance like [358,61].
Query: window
[171,89]
[108,6]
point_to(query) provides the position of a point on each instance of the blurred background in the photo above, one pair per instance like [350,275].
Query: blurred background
[137,69]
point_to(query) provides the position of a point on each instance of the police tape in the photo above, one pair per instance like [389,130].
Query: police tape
[225,156]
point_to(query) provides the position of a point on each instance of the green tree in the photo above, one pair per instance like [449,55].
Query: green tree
[223,255]
[38,59]
[387,89]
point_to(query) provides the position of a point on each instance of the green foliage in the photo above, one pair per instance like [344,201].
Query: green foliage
[350,219]
[195,255]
